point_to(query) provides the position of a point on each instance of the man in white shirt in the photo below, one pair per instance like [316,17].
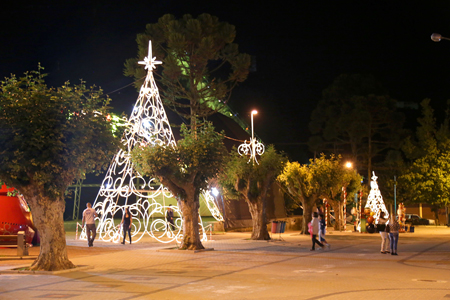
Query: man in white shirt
[315,231]
[89,215]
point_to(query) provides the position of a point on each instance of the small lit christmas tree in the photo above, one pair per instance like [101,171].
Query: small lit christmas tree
[375,200]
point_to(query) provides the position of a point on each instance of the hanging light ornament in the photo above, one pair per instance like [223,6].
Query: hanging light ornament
[253,147]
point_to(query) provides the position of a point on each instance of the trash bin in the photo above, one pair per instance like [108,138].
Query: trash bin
[274,227]
[283,226]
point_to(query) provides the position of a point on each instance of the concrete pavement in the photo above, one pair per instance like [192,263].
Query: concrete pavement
[240,268]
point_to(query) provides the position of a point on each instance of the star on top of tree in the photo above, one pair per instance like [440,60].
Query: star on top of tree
[150,61]
[374,177]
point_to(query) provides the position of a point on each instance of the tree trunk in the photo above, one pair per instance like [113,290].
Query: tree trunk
[48,218]
[257,209]
[341,216]
[307,216]
[189,208]
[337,214]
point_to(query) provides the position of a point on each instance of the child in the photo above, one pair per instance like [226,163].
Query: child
[314,230]
[322,230]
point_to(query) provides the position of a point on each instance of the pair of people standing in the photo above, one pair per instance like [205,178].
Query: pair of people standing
[317,227]
[389,234]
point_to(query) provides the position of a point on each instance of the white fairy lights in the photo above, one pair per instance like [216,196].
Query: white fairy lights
[375,200]
[124,187]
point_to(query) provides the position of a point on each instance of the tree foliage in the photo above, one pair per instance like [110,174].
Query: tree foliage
[357,119]
[50,137]
[322,178]
[185,171]
[427,177]
[335,179]
[302,186]
[201,64]
[251,182]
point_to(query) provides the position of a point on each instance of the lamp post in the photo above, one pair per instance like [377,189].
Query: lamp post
[348,165]
[254,112]
[436,37]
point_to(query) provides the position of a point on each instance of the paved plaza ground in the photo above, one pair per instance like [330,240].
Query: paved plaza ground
[239,268]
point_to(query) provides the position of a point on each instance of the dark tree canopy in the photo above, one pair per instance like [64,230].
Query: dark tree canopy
[357,119]
[426,177]
[201,64]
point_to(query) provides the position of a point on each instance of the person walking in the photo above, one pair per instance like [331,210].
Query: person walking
[322,231]
[381,228]
[169,218]
[127,220]
[89,215]
[393,228]
[314,230]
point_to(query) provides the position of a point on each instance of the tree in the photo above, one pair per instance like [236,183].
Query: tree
[301,185]
[322,178]
[357,119]
[427,176]
[336,180]
[185,171]
[201,64]
[50,137]
[251,182]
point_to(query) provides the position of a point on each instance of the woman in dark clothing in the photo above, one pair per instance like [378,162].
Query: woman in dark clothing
[127,219]
[381,228]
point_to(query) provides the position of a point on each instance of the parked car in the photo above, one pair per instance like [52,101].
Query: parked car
[416,220]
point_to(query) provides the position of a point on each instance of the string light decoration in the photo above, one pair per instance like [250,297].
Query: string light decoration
[211,204]
[344,190]
[124,187]
[375,200]
[253,147]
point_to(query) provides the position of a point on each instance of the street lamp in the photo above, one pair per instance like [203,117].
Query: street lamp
[253,147]
[436,37]
[254,112]
[348,165]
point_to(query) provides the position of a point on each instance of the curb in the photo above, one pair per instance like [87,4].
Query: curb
[15,271]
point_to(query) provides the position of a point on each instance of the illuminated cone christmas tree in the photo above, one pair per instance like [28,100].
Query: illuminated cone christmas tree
[375,200]
[124,187]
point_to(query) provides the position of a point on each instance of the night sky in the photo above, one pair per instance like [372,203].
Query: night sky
[299,50]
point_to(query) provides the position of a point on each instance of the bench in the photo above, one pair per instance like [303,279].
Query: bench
[13,241]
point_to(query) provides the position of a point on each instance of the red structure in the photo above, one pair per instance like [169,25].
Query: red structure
[15,215]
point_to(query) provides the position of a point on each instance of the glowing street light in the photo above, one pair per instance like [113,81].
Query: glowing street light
[348,165]
[215,192]
[436,37]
